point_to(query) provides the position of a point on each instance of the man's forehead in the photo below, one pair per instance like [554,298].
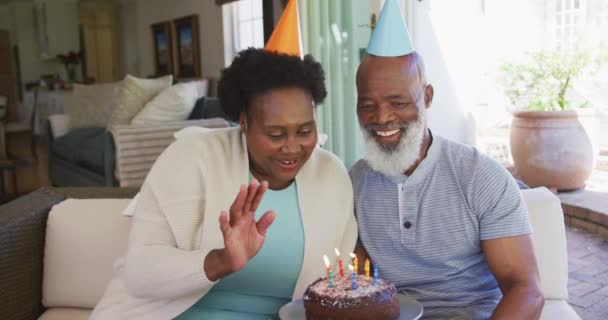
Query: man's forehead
[387,68]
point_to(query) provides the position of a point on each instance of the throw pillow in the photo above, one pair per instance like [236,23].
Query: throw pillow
[135,94]
[92,105]
[172,104]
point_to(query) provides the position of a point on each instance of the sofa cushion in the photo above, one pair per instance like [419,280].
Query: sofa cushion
[134,95]
[65,314]
[92,105]
[83,239]
[172,104]
[558,309]
[84,147]
[549,241]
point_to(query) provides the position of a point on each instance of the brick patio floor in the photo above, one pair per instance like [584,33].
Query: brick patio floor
[588,274]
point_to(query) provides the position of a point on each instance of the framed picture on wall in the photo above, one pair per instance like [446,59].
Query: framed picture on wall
[188,47]
[163,48]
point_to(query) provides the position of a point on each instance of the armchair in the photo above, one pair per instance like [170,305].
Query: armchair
[120,155]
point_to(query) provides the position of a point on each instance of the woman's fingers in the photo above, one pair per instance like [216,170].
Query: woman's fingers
[258,196]
[265,222]
[224,223]
[237,205]
[251,192]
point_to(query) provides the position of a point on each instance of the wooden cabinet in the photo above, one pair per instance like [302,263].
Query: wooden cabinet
[98,30]
[8,78]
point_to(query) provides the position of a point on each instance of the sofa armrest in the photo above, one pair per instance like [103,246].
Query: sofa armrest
[22,236]
[22,233]
[96,192]
[59,125]
[138,146]
[109,160]
[549,240]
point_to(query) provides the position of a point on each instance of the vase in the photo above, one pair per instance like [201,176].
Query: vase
[552,149]
[71,73]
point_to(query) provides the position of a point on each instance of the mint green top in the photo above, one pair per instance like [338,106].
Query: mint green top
[268,280]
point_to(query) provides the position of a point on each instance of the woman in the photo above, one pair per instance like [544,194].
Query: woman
[198,252]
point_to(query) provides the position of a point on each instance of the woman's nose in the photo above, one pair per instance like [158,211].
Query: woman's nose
[291,146]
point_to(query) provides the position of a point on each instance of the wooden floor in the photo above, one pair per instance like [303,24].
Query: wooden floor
[29,176]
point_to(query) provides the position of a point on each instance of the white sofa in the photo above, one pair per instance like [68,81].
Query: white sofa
[79,260]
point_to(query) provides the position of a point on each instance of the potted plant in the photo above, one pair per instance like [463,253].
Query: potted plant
[549,145]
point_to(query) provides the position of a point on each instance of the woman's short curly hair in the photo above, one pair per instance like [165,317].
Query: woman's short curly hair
[256,71]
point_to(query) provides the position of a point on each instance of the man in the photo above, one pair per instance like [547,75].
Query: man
[444,223]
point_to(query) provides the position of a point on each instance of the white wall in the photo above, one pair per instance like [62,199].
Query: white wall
[5,21]
[149,12]
[18,18]
[452,69]
[130,46]
[32,66]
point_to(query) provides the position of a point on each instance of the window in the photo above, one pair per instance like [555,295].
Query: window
[250,24]
[569,20]
[243,27]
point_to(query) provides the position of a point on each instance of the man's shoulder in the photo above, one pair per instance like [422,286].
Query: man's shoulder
[359,167]
[467,159]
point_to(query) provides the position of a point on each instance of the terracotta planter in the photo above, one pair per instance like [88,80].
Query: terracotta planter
[551,148]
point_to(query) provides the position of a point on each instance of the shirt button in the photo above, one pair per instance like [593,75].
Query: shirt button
[407,224]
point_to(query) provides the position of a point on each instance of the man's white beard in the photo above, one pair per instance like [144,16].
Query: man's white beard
[395,161]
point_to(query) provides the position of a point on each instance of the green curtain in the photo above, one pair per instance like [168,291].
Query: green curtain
[336,32]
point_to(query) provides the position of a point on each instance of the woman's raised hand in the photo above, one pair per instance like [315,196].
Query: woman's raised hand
[243,236]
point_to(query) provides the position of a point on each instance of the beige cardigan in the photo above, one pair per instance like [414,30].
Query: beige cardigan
[176,224]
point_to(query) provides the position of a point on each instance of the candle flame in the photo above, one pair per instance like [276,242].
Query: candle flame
[350,266]
[326,259]
[337,252]
[352,255]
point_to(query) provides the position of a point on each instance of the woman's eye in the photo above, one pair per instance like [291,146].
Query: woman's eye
[275,135]
[305,132]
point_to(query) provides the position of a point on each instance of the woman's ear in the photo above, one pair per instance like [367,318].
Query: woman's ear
[243,122]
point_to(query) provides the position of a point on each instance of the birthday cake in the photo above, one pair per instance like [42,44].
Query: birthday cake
[367,300]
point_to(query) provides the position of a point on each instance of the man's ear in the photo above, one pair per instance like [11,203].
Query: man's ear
[429,92]
[243,122]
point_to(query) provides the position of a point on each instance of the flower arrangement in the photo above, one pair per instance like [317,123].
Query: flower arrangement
[70,60]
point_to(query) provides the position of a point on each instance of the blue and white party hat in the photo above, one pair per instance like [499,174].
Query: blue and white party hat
[390,37]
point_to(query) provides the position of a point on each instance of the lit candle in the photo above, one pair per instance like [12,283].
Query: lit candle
[355,261]
[354,276]
[367,269]
[327,266]
[341,268]
[375,274]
